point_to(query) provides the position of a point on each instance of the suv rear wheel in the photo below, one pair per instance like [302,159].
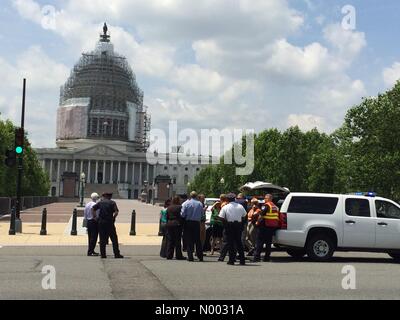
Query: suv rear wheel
[320,247]
[296,253]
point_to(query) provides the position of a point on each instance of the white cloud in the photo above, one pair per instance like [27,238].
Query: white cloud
[43,76]
[306,122]
[208,61]
[391,75]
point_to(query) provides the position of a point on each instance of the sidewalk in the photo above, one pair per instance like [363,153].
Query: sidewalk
[58,235]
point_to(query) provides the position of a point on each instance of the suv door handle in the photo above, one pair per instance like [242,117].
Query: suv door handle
[350,222]
[382,224]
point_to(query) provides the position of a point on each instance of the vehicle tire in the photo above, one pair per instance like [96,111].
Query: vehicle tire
[320,247]
[395,256]
[296,253]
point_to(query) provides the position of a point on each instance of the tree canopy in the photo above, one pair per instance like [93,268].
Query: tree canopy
[362,155]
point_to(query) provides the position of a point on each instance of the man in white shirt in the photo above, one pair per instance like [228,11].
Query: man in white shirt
[92,225]
[234,214]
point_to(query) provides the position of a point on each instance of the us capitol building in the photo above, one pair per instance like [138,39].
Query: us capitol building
[102,131]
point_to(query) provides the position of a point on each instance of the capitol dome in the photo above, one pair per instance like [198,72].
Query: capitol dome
[101,99]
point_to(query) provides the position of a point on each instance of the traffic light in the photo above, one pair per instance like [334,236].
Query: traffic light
[19,140]
[11,158]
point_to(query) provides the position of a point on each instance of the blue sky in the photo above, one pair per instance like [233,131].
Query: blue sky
[208,64]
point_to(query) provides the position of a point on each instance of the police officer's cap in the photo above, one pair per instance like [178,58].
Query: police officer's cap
[231,196]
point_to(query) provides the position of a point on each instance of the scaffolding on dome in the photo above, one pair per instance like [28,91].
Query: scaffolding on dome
[106,81]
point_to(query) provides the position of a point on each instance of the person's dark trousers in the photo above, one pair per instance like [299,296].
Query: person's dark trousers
[225,246]
[163,251]
[192,233]
[234,234]
[264,236]
[244,233]
[107,229]
[93,233]
[174,237]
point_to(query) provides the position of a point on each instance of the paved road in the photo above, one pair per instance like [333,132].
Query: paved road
[143,275]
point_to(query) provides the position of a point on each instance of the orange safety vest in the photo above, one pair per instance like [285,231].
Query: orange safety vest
[271,219]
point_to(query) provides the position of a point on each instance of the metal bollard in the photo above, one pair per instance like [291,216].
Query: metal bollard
[12,232]
[133,224]
[74,232]
[43,229]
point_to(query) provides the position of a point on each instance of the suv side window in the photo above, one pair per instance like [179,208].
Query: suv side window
[386,210]
[313,205]
[358,208]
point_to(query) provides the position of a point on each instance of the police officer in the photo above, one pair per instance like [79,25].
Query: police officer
[234,214]
[108,211]
[267,224]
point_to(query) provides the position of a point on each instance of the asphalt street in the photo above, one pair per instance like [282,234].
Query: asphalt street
[143,275]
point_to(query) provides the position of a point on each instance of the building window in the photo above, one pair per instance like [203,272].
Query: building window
[186,169]
[186,180]
[165,168]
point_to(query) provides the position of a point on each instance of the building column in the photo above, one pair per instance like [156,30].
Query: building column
[154,172]
[66,166]
[140,174]
[112,173]
[44,164]
[133,173]
[97,172]
[148,174]
[88,176]
[58,171]
[119,172]
[126,171]
[51,170]
[74,166]
[81,167]
[104,172]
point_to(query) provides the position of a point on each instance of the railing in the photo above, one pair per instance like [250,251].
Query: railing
[6,204]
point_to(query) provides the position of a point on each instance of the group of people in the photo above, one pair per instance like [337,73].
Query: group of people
[237,226]
[99,218]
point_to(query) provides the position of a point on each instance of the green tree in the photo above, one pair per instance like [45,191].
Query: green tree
[35,181]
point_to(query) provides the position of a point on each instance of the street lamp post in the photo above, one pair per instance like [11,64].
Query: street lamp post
[222,182]
[82,188]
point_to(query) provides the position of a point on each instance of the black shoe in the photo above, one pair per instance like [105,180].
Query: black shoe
[191,260]
[104,257]
[230,263]
[119,256]
[242,263]
[181,258]
[221,260]
[93,254]
[266,259]
[256,260]
[201,260]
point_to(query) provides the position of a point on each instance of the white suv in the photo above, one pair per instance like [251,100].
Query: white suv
[320,224]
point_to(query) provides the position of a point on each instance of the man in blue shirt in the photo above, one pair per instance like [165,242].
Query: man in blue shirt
[192,212]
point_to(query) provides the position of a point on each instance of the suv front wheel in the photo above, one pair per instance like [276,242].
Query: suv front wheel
[320,247]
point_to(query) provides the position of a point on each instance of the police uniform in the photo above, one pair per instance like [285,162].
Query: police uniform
[233,213]
[107,208]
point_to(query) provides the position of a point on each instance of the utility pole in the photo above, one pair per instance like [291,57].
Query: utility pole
[20,154]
